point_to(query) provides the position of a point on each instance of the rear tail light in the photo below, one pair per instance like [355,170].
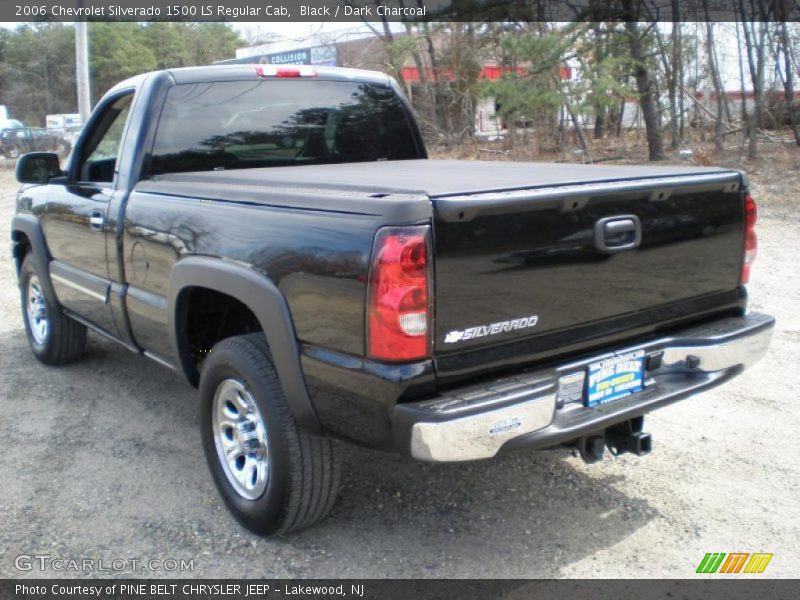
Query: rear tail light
[398,297]
[750,237]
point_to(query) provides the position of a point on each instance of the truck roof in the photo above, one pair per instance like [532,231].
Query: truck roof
[240,72]
[244,72]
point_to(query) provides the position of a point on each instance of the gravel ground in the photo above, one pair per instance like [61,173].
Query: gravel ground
[102,460]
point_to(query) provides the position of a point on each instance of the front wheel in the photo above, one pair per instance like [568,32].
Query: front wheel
[54,338]
[273,476]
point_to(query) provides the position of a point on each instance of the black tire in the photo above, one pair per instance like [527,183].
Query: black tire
[65,339]
[13,152]
[304,469]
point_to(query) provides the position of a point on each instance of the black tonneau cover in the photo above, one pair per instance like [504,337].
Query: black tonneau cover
[436,178]
[518,242]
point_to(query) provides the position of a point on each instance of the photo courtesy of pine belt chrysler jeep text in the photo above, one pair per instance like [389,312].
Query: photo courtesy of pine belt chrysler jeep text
[278,237]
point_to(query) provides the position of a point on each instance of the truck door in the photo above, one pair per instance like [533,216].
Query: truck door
[77,215]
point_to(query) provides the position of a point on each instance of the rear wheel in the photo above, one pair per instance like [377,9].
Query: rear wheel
[273,476]
[54,338]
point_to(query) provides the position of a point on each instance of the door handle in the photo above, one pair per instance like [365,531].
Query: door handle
[617,234]
[97,220]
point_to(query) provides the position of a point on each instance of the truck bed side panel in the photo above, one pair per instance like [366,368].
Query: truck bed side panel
[318,259]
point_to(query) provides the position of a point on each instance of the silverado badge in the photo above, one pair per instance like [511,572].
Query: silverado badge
[460,335]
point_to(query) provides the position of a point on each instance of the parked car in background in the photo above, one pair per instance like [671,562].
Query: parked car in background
[10,146]
[66,125]
[11,124]
[17,141]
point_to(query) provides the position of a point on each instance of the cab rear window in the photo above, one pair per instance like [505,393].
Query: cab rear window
[243,124]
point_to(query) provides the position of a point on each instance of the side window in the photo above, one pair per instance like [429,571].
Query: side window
[101,150]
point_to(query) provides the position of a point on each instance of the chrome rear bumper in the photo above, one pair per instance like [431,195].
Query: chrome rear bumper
[540,408]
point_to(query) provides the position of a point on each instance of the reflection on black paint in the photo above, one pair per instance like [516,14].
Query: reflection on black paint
[544,261]
[320,268]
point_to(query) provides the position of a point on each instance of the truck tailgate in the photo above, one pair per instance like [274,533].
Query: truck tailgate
[522,273]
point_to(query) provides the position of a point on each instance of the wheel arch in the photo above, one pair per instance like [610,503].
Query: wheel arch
[262,297]
[27,237]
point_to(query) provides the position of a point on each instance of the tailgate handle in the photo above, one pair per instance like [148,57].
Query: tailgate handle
[617,234]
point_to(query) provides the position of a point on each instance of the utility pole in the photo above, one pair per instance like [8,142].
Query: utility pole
[82,70]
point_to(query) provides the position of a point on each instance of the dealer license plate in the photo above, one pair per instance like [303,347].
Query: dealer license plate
[614,378]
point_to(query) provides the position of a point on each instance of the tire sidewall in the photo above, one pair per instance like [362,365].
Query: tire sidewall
[40,350]
[262,515]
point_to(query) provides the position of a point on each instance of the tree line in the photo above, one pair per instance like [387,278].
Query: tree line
[37,61]
[673,71]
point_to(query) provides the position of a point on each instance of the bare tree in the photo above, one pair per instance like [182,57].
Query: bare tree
[719,92]
[755,41]
[740,62]
[788,79]
[644,80]
[440,115]
[601,116]
[428,89]
[669,52]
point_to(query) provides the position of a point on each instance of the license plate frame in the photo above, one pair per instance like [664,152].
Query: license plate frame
[613,378]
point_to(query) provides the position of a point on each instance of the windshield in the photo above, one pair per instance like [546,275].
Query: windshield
[241,124]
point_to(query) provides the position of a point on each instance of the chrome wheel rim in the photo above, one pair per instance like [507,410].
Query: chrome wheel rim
[36,307]
[240,436]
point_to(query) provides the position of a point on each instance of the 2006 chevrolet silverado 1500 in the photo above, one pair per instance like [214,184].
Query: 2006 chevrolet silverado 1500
[278,236]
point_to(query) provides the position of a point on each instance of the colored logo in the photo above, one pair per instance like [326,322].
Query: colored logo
[735,562]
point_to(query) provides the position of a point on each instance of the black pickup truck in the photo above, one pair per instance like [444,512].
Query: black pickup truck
[278,236]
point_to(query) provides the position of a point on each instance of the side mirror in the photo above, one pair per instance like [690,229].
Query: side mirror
[38,167]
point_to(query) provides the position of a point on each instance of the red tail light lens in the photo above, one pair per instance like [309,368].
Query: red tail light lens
[398,299]
[750,237]
[750,211]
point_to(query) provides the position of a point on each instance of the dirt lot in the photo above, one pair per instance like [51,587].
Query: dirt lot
[102,460]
